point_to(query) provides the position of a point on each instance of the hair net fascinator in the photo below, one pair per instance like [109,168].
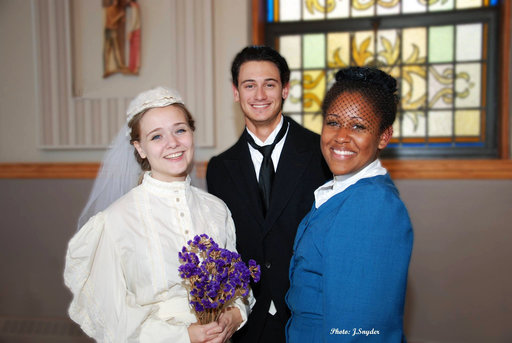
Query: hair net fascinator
[119,171]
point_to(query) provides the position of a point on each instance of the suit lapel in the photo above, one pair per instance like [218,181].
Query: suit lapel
[292,164]
[241,171]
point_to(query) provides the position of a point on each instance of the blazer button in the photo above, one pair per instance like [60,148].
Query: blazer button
[268,264]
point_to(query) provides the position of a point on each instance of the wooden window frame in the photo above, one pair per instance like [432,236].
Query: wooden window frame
[399,169]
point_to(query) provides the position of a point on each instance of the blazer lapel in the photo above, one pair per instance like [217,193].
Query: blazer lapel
[241,171]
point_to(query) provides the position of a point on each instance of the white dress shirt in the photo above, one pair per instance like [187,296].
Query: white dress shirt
[257,157]
[122,266]
[341,182]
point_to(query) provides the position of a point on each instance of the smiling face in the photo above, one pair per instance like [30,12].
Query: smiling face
[350,134]
[260,93]
[167,141]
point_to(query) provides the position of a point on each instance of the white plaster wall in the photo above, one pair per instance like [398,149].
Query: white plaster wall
[18,100]
[231,24]
[19,94]
[158,33]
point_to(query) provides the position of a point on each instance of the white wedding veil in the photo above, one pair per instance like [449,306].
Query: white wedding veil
[120,171]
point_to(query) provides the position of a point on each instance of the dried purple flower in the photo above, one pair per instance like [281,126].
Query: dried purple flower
[215,276]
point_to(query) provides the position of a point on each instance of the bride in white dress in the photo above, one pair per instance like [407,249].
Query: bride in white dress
[122,265]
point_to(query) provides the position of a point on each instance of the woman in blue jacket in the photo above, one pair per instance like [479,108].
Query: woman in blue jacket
[351,253]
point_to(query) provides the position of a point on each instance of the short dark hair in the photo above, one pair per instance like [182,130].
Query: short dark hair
[260,53]
[377,87]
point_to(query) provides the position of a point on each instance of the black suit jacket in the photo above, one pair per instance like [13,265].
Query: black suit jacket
[269,240]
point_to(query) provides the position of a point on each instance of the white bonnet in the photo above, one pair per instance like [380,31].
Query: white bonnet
[156,97]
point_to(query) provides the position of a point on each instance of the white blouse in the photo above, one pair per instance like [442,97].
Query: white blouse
[341,182]
[122,266]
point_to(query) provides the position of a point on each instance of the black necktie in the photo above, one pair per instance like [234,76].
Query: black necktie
[266,176]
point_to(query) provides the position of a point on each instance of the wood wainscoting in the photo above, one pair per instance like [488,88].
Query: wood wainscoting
[399,169]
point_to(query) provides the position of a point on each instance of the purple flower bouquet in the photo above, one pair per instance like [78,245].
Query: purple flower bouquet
[215,277]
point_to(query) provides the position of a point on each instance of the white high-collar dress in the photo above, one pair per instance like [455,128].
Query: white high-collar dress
[122,266]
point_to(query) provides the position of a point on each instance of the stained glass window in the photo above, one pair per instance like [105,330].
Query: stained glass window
[442,52]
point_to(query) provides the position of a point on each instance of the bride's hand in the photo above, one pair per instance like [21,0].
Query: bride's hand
[219,331]
[204,333]
[229,320]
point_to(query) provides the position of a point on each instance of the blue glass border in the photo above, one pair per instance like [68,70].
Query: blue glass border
[475,144]
[270,11]
[440,145]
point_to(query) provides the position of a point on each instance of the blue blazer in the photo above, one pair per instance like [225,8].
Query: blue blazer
[348,274]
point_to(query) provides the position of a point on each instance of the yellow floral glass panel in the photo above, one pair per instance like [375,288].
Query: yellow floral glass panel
[440,86]
[467,85]
[296,10]
[362,8]
[315,9]
[413,87]
[293,104]
[467,123]
[338,50]
[313,122]
[439,67]
[414,45]
[362,48]
[313,89]
[388,47]
[388,7]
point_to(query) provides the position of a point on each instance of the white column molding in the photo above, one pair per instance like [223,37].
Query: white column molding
[194,61]
[68,121]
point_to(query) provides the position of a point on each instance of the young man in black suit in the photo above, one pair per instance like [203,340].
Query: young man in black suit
[269,189]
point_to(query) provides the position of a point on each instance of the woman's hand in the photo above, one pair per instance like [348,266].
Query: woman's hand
[219,331]
[206,333]
[229,320]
